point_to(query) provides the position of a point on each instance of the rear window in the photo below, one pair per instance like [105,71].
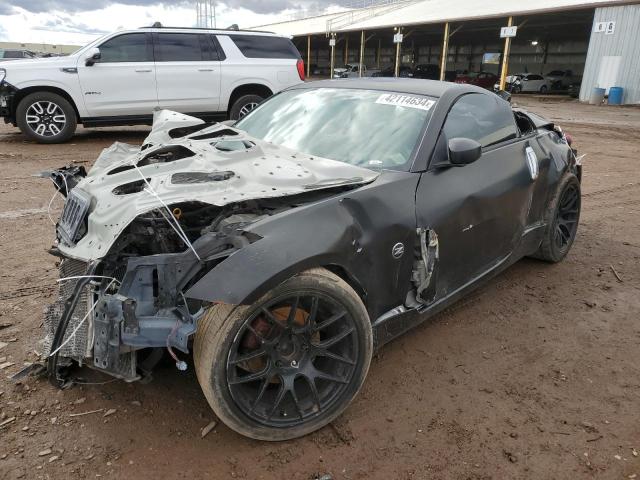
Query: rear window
[258,46]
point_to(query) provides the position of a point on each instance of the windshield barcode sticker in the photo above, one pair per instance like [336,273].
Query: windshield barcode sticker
[398,100]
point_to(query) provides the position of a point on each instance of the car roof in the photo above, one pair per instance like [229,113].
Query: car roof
[219,31]
[432,88]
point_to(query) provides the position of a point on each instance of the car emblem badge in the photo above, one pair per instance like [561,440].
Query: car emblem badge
[532,162]
[398,250]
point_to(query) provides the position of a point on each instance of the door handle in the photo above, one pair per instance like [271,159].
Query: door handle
[205,69]
[143,70]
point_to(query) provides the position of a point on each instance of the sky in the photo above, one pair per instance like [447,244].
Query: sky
[77,22]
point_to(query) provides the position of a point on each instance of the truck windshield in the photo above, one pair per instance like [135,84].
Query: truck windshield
[373,129]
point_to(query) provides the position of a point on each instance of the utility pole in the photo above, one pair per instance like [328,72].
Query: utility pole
[505,57]
[308,55]
[332,44]
[398,40]
[445,50]
[361,54]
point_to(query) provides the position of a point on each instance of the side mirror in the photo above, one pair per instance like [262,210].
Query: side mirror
[463,151]
[92,57]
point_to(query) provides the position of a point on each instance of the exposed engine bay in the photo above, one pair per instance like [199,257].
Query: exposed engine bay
[145,224]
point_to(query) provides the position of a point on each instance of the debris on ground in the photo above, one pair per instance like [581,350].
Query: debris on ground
[206,430]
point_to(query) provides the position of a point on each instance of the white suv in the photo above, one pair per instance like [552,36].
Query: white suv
[121,78]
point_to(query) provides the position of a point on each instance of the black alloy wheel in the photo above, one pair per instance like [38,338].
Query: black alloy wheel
[562,219]
[292,359]
[288,364]
[566,221]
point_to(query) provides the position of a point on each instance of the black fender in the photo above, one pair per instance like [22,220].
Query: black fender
[354,230]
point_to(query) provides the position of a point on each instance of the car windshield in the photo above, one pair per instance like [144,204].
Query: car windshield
[373,129]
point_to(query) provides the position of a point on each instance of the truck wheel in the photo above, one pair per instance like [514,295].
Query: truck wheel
[290,363]
[562,217]
[244,105]
[46,117]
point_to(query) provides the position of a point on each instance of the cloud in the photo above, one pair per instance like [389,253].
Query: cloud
[72,6]
[6,9]
[256,6]
[67,24]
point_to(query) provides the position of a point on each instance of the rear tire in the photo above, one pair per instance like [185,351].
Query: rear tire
[543,89]
[266,369]
[244,105]
[46,117]
[562,217]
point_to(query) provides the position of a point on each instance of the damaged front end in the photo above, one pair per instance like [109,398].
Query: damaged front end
[110,309]
[146,224]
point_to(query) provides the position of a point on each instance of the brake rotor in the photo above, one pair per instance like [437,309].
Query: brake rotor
[263,328]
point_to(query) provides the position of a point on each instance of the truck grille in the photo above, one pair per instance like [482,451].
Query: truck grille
[71,221]
[81,344]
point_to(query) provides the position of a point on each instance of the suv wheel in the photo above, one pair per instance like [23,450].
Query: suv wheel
[244,105]
[46,117]
[288,364]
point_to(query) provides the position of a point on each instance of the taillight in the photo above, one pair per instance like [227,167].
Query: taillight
[300,66]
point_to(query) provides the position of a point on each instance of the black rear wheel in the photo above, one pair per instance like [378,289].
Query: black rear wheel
[562,220]
[290,363]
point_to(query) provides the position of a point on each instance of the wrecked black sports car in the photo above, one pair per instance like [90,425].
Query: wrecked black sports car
[286,248]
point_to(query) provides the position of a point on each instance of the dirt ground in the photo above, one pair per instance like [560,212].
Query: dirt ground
[535,376]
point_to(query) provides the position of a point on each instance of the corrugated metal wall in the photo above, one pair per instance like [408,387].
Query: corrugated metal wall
[624,42]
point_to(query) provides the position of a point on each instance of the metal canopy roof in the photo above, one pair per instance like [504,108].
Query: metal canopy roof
[430,11]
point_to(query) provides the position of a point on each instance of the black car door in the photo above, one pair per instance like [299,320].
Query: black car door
[479,210]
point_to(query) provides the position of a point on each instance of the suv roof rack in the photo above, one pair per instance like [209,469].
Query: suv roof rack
[231,28]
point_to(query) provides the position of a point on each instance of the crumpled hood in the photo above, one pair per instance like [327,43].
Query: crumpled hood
[225,167]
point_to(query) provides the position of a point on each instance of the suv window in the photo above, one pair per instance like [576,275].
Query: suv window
[183,47]
[130,47]
[482,118]
[13,54]
[259,46]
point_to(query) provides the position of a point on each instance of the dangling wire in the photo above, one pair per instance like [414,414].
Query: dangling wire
[84,319]
[57,192]
[178,230]
[76,277]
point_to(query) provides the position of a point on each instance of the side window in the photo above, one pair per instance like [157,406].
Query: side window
[183,47]
[262,46]
[130,47]
[482,118]
[535,77]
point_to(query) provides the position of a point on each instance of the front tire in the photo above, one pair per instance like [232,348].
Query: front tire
[46,117]
[562,217]
[244,105]
[290,363]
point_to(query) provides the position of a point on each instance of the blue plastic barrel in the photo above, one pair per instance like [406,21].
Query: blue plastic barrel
[615,95]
